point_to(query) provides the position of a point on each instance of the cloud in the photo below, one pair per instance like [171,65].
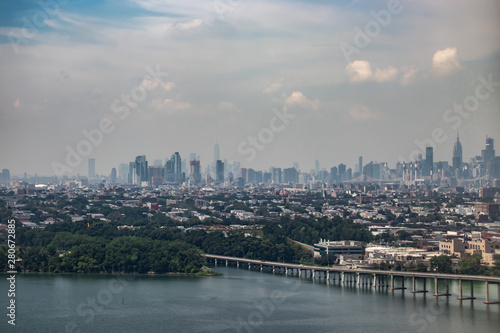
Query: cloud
[169,105]
[168,86]
[445,61]
[189,24]
[273,88]
[226,106]
[16,103]
[362,112]
[409,75]
[387,74]
[297,98]
[361,70]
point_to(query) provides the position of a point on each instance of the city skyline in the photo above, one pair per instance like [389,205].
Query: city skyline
[159,77]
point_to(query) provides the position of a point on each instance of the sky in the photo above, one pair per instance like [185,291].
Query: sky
[273,82]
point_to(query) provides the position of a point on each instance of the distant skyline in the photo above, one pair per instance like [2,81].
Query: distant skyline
[358,79]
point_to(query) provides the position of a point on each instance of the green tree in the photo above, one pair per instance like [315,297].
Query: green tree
[441,264]
[471,265]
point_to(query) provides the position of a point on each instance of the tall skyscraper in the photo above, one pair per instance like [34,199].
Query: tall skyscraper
[429,161]
[112,176]
[5,176]
[457,155]
[195,171]
[91,167]
[177,166]
[216,152]
[140,173]
[316,166]
[157,163]
[360,165]
[219,171]
[342,172]
[123,172]
[488,153]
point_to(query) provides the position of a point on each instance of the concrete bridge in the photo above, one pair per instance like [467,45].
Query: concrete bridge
[375,278]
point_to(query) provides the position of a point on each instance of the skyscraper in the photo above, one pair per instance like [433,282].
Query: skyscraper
[216,152]
[360,165]
[429,160]
[195,171]
[316,166]
[141,170]
[457,155]
[112,177]
[488,153]
[177,166]
[91,167]
[219,171]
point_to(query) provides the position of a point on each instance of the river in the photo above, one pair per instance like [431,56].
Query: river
[238,301]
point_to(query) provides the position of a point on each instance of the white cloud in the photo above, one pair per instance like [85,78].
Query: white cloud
[445,61]
[273,88]
[168,86]
[409,75]
[388,74]
[362,112]
[298,98]
[361,70]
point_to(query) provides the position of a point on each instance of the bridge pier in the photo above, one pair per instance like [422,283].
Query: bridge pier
[419,291]
[402,283]
[461,293]
[249,266]
[487,293]
[436,288]
[215,262]
[227,263]
[238,264]
[300,272]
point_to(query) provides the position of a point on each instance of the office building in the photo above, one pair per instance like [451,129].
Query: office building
[91,168]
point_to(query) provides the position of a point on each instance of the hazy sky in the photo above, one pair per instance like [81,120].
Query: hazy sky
[354,78]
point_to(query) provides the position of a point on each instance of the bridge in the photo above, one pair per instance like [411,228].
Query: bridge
[371,277]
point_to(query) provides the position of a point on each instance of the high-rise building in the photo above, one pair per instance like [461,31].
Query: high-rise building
[360,165]
[177,166]
[276,174]
[112,176]
[157,163]
[141,170]
[5,177]
[219,171]
[216,152]
[290,175]
[91,167]
[123,172]
[457,155]
[429,161]
[316,166]
[333,174]
[195,171]
[342,172]
[488,153]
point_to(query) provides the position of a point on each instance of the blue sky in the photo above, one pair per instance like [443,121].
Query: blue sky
[228,71]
